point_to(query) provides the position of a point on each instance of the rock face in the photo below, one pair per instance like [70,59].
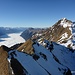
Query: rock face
[17,68]
[27,47]
[28,33]
[59,29]
[4,69]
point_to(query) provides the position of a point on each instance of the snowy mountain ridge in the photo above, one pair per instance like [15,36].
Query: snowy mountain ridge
[43,62]
[61,32]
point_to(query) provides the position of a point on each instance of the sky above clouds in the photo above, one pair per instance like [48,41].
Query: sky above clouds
[35,13]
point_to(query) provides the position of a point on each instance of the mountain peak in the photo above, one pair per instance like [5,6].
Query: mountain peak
[61,32]
[65,23]
[64,18]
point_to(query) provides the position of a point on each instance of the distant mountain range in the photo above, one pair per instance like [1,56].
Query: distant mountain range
[6,30]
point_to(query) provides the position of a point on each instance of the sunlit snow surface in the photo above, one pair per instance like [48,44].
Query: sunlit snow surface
[46,66]
[11,39]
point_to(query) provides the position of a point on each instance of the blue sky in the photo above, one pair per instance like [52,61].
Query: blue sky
[35,13]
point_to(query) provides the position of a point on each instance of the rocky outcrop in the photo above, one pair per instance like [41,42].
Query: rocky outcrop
[28,33]
[27,47]
[58,30]
[4,69]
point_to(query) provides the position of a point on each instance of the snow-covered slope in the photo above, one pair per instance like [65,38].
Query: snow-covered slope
[43,62]
[11,39]
[71,39]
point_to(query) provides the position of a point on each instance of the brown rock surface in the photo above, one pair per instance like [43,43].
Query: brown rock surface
[27,47]
[4,70]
